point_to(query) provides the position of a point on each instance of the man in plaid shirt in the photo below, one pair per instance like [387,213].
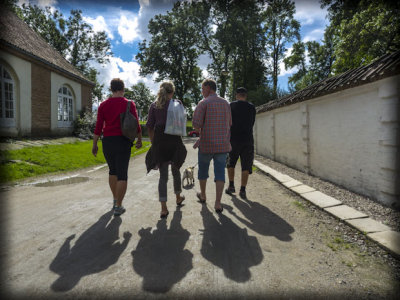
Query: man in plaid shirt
[212,117]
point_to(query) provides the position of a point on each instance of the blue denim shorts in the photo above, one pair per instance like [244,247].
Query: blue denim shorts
[219,160]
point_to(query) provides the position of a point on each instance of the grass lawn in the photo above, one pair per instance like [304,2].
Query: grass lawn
[33,161]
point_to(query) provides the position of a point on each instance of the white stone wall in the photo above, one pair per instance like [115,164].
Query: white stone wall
[21,72]
[350,138]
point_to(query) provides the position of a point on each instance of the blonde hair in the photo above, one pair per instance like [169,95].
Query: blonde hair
[166,88]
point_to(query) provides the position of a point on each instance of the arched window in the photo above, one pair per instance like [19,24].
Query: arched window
[65,107]
[7,99]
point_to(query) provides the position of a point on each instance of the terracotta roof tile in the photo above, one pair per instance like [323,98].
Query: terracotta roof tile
[16,34]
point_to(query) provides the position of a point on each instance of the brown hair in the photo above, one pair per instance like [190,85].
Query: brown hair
[211,83]
[117,85]
[167,87]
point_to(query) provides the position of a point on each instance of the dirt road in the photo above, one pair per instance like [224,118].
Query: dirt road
[62,241]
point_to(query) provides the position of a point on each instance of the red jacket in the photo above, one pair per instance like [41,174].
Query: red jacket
[108,113]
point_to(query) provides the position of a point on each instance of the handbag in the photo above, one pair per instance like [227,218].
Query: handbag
[129,123]
[176,119]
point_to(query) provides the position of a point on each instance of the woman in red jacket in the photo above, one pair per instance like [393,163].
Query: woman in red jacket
[116,147]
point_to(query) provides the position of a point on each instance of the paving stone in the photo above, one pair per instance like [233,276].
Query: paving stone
[320,199]
[368,225]
[263,167]
[292,183]
[300,189]
[345,212]
[282,177]
[26,144]
[390,240]
[277,175]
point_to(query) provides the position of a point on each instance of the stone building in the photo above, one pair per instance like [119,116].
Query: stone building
[41,92]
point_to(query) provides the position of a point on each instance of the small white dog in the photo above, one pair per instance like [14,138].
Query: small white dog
[188,174]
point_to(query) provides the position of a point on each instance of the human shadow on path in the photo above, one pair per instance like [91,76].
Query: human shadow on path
[229,247]
[261,219]
[160,257]
[94,251]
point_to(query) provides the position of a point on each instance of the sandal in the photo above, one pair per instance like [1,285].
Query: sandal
[200,199]
[164,215]
[180,202]
[219,210]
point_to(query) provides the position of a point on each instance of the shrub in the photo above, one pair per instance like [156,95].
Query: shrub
[84,124]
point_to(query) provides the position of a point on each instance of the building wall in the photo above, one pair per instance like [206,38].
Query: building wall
[36,89]
[350,138]
[21,72]
[41,112]
[86,97]
[288,140]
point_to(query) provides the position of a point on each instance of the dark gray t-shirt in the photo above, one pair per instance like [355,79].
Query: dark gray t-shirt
[243,118]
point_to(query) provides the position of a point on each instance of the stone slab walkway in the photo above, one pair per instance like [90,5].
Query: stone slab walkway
[376,231]
[19,144]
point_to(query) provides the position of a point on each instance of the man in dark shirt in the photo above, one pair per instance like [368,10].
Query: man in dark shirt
[243,118]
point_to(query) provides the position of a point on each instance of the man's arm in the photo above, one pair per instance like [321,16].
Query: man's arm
[198,117]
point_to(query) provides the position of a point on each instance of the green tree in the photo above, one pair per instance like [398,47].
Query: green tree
[142,96]
[97,94]
[281,28]
[84,45]
[172,51]
[297,59]
[50,25]
[72,37]
[320,62]
[249,54]
[363,30]
[230,33]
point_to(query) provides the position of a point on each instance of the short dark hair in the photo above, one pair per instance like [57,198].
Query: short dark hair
[117,85]
[211,83]
[241,90]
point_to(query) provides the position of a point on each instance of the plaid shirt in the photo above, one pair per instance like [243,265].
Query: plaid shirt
[213,116]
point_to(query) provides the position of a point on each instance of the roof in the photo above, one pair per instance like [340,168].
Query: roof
[16,34]
[385,66]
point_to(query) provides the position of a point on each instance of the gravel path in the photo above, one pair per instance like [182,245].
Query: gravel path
[375,210]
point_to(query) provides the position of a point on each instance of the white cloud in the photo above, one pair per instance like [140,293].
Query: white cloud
[40,3]
[127,71]
[309,12]
[128,28]
[99,24]
[314,35]
[150,8]
[290,71]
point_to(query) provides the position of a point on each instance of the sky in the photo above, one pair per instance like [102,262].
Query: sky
[125,23]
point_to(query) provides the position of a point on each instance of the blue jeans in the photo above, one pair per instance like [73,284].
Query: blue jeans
[219,160]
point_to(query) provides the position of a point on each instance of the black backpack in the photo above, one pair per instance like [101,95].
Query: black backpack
[129,123]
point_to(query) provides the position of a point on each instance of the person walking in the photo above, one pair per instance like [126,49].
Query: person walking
[166,149]
[242,142]
[116,147]
[212,117]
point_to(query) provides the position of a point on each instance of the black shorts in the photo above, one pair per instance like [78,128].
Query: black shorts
[117,151]
[246,153]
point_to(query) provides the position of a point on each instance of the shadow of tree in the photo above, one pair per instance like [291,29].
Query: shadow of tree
[160,257]
[229,247]
[261,219]
[93,252]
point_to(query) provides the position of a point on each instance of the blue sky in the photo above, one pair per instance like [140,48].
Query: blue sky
[125,23]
